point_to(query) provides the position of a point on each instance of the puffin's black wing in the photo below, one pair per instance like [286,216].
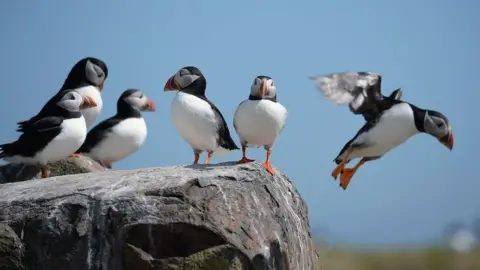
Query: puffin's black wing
[224,137]
[47,110]
[360,90]
[35,137]
[98,133]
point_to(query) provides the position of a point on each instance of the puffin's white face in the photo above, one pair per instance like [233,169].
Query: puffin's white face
[95,74]
[263,87]
[140,102]
[73,101]
[436,124]
[182,79]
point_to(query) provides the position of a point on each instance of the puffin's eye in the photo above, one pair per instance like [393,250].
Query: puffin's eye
[272,83]
[440,124]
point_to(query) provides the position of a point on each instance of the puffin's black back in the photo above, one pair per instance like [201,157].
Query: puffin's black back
[49,109]
[37,133]
[197,88]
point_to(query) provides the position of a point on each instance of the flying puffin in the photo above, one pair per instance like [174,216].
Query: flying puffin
[389,120]
[196,118]
[54,136]
[259,119]
[86,77]
[122,134]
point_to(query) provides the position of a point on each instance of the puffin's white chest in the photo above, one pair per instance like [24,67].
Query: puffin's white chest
[395,127]
[74,132]
[122,140]
[195,120]
[259,122]
[91,114]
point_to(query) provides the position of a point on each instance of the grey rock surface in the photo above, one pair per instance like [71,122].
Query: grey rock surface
[16,172]
[222,216]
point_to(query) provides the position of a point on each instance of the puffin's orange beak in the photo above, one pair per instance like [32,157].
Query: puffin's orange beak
[171,85]
[149,106]
[87,102]
[263,87]
[448,139]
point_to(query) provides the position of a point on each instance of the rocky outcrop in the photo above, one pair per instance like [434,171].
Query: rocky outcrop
[223,216]
[16,172]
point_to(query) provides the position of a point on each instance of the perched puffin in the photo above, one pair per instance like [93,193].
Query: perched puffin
[389,120]
[122,134]
[54,136]
[259,119]
[196,118]
[86,77]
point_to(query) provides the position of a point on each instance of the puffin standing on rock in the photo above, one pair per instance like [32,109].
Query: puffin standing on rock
[122,134]
[196,118]
[54,136]
[86,77]
[389,120]
[259,120]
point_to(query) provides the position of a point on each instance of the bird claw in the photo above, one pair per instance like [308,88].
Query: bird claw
[245,160]
[345,177]
[269,168]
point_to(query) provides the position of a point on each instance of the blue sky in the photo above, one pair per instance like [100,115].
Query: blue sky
[429,48]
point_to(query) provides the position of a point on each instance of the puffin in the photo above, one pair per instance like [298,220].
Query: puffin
[86,77]
[195,117]
[121,135]
[389,120]
[260,119]
[54,136]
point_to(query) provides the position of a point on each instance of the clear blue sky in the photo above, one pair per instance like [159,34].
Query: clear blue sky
[430,48]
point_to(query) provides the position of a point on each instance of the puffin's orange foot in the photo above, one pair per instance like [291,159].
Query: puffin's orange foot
[268,167]
[337,170]
[345,177]
[75,155]
[245,160]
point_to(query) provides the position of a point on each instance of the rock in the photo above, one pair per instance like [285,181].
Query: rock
[222,216]
[16,172]
[11,249]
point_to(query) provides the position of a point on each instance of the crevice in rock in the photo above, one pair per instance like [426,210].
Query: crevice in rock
[271,196]
[172,240]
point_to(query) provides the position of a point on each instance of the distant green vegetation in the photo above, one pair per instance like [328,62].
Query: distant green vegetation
[413,259]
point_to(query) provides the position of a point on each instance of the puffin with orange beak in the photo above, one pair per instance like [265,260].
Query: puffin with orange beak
[86,77]
[121,135]
[196,118]
[260,119]
[390,121]
[59,133]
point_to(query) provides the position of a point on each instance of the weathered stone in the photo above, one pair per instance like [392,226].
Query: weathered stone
[16,172]
[11,249]
[223,216]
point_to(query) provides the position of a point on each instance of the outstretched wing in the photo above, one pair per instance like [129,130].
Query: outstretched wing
[360,90]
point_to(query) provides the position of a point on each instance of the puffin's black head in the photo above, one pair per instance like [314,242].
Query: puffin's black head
[263,88]
[87,71]
[437,125]
[71,100]
[135,99]
[188,79]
